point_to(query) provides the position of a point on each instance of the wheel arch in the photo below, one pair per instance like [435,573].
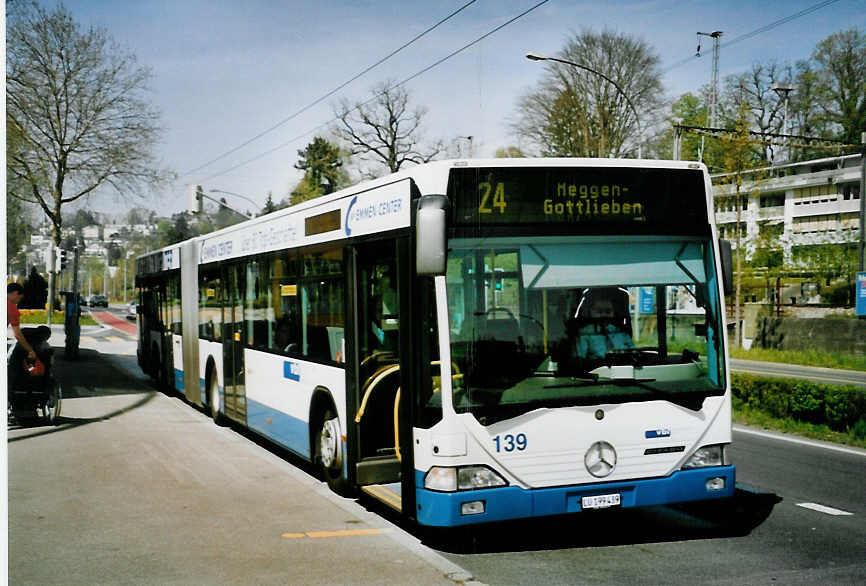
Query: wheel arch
[320,402]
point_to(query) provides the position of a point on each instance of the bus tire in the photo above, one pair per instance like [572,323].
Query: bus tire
[328,450]
[213,399]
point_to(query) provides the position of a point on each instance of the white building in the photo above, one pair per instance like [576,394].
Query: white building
[797,205]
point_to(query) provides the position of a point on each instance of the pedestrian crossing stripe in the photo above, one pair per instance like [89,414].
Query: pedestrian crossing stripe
[113,339]
[824,509]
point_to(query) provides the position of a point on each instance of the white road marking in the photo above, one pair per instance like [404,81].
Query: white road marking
[823,509]
[803,442]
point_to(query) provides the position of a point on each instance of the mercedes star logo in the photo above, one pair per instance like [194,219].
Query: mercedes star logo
[600,459]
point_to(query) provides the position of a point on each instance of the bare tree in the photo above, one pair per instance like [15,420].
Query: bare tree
[385,129]
[75,100]
[766,107]
[575,111]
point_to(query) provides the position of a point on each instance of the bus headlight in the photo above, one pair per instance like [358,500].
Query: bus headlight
[708,456]
[451,479]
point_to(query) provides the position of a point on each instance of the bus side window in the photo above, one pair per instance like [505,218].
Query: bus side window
[257,305]
[283,314]
[174,300]
[322,298]
[210,307]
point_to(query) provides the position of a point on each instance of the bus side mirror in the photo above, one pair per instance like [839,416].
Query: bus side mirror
[727,266]
[430,226]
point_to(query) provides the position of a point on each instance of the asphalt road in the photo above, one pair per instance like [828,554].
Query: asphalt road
[137,487]
[822,544]
[817,374]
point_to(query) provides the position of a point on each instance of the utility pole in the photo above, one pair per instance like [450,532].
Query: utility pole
[459,150]
[714,85]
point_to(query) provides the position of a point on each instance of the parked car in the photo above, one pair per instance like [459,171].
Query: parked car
[98,301]
[131,311]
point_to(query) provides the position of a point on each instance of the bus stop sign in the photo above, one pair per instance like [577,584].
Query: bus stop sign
[860,293]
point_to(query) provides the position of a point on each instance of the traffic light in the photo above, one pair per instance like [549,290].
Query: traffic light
[196,199]
[61,260]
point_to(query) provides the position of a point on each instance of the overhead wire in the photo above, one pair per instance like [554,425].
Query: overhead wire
[396,85]
[756,32]
[330,93]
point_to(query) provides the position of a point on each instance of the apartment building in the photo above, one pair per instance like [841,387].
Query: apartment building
[793,207]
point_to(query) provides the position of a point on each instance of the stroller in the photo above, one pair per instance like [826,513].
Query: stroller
[33,391]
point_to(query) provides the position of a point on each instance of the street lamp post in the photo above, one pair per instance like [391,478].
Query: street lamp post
[469,140]
[782,90]
[539,57]
[236,195]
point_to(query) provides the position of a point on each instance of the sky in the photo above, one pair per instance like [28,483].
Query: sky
[225,71]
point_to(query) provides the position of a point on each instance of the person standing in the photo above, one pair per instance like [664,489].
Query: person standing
[14,295]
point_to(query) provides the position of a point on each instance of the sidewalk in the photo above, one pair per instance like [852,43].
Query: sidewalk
[135,486]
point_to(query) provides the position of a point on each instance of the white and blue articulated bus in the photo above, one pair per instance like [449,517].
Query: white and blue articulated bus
[468,341]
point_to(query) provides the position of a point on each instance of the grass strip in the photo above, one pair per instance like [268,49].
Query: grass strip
[803,358]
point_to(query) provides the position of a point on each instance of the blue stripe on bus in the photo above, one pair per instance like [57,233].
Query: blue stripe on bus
[178,380]
[290,432]
[512,502]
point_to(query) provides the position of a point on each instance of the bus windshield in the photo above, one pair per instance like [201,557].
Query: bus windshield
[582,320]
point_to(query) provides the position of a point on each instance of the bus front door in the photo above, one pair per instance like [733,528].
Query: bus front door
[378,374]
[233,345]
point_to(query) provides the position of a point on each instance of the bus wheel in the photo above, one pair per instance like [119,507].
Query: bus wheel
[328,451]
[213,399]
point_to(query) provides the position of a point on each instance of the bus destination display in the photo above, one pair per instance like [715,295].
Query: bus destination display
[591,197]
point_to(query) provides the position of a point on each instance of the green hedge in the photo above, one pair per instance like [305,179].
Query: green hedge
[841,408]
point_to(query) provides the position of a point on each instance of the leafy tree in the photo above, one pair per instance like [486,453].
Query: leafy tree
[177,229]
[688,110]
[76,100]
[269,206]
[322,162]
[805,115]
[575,112]
[35,291]
[139,215]
[510,152]
[115,253]
[18,221]
[739,154]
[305,190]
[841,58]
[384,130]
[19,226]
[828,260]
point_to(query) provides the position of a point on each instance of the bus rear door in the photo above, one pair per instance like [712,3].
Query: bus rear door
[233,344]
